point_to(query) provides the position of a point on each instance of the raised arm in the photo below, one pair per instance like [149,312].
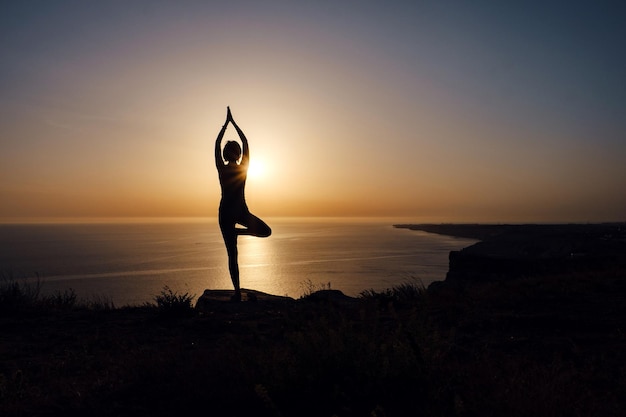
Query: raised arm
[219,162]
[245,150]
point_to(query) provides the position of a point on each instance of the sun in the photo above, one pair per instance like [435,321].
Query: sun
[256,169]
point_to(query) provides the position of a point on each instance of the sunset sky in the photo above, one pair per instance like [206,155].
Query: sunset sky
[484,111]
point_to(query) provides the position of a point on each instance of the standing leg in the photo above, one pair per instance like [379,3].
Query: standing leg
[230,239]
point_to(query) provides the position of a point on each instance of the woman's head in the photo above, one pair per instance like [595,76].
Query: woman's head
[232,151]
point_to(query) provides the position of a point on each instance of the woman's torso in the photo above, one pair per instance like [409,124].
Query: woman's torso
[233,183]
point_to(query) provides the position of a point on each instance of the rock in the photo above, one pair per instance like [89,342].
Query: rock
[212,300]
[330,296]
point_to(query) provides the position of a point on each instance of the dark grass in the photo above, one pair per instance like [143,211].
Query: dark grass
[535,346]
[24,296]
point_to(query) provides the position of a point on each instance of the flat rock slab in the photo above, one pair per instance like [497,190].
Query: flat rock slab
[252,301]
[212,300]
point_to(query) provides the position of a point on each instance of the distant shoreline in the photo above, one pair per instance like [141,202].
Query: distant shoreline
[487,231]
[464,230]
[530,248]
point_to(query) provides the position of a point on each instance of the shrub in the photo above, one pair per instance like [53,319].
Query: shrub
[171,303]
[61,300]
[408,293]
[309,288]
[17,295]
[100,303]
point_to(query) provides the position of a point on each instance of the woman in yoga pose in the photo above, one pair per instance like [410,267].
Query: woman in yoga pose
[233,171]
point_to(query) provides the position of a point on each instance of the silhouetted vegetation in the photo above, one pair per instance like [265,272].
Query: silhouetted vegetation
[172,304]
[309,288]
[18,296]
[541,346]
[403,294]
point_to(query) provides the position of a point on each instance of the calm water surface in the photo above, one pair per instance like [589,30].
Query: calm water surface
[131,262]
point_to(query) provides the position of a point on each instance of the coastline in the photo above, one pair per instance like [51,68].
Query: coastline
[487,231]
[506,251]
[465,230]
[488,340]
[536,241]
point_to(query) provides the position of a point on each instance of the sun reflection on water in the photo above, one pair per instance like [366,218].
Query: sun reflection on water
[258,266]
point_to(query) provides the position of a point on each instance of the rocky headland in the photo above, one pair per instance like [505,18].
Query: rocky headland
[507,251]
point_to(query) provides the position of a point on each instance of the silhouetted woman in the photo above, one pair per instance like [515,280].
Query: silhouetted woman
[233,208]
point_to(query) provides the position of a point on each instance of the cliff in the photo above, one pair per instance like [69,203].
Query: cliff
[507,251]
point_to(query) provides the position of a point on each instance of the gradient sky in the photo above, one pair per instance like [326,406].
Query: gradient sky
[427,110]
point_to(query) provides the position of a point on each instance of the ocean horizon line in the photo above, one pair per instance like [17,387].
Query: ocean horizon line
[191,219]
[392,220]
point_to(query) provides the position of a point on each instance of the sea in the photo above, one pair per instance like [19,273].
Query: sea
[129,262]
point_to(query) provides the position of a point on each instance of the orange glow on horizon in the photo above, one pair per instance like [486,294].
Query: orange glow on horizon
[343,118]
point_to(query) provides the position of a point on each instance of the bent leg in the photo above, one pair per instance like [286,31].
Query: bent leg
[254,226]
